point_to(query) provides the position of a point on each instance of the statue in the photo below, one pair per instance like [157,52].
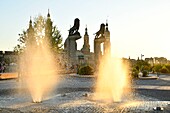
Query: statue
[75,28]
[99,38]
[101,31]
[70,44]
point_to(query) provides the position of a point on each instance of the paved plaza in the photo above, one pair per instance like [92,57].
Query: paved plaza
[73,95]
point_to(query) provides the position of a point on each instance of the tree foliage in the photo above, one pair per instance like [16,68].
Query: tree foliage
[38,32]
[168,66]
[142,65]
[164,70]
[157,67]
[134,73]
[145,73]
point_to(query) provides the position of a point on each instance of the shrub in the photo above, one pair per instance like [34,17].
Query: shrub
[85,70]
[137,68]
[168,67]
[157,68]
[135,73]
[147,68]
[145,73]
[164,70]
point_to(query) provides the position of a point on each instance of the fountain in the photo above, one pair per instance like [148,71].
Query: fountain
[111,73]
[111,79]
[39,72]
[38,63]
[42,76]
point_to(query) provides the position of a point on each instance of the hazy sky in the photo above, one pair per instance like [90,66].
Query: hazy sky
[136,26]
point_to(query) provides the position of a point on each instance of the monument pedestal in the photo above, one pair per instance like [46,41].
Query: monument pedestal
[71,48]
[97,49]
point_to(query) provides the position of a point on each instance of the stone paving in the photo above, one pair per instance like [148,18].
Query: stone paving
[76,103]
[69,98]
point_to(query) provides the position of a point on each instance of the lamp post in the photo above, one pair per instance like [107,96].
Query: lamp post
[141,68]
[141,56]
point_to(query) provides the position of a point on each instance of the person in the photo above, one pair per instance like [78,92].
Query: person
[158,74]
[3,68]
[0,67]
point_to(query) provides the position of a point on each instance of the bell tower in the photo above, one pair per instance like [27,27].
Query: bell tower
[86,46]
[107,44]
[48,27]
[31,39]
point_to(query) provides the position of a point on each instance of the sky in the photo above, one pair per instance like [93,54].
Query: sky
[136,26]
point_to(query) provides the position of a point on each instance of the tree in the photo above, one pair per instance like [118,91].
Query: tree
[157,67]
[142,65]
[41,31]
[168,66]
[164,70]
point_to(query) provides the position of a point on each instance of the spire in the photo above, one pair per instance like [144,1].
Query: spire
[107,25]
[86,47]
[30,23]
[86,30]
[30,35]
[106,22]
[30,20]
[48,15]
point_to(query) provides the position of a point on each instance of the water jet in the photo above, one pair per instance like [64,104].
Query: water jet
[111,71]
[38,61]
[36,101]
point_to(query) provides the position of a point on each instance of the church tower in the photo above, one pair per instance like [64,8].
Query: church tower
[31,39]
[107,44]
[86,46]
[48,27]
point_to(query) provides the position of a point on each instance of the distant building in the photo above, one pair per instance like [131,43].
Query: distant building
[9,59]
[150,61]
[85,56]
[160,60]
[86,46]
[8,56]
[156,60]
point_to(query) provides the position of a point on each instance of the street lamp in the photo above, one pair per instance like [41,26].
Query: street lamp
[141,56]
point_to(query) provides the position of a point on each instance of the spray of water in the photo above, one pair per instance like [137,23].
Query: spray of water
[38,69]
[112,79]
[41,76]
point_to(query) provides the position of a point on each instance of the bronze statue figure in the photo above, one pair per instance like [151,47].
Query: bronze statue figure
[101,31]
[75,28]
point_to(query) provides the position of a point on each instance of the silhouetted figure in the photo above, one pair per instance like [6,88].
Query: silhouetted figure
[75,28]
[2,67]
[101,31]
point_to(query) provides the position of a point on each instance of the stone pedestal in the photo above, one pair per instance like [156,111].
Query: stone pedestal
[97,48]
[107,47]
[71,48]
